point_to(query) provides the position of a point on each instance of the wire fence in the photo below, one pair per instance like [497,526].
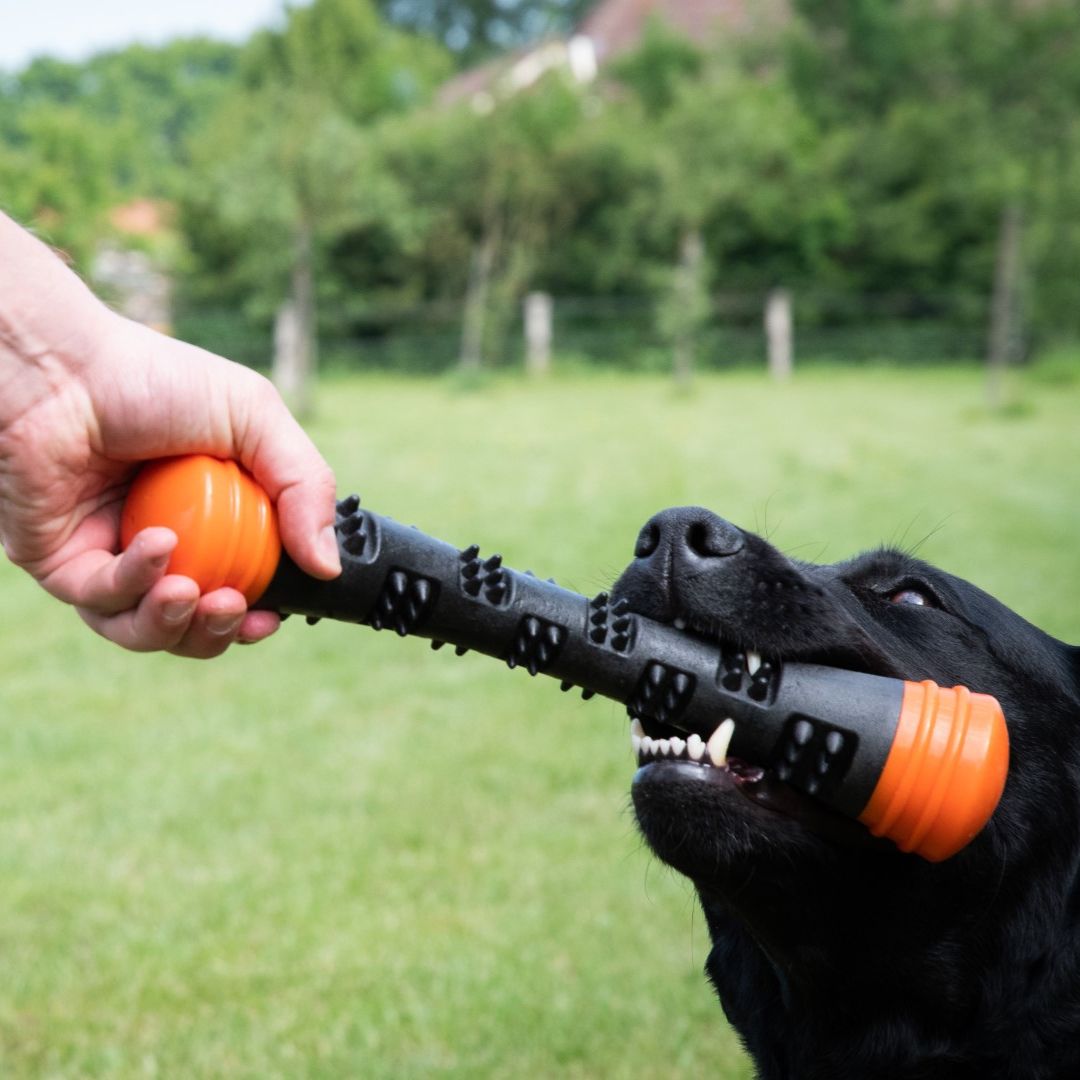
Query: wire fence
[622,332]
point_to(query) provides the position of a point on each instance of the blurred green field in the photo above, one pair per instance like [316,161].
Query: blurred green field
[343,855]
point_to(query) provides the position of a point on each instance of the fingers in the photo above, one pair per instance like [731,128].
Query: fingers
[131,600]
[108,583]
[172,617]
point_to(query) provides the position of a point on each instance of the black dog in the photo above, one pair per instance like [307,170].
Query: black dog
[835,956]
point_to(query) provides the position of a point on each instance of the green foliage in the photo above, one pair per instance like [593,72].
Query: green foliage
[948,115]
[78,139]
[271,163]
[867,149]
[657,70]
[285,175]
[341,50]
[140,106]
[54,175]
[487,182]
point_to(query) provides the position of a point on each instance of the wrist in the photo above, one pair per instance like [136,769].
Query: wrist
[51,325]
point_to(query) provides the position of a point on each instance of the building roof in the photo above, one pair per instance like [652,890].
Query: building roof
[612,27]
[616,26]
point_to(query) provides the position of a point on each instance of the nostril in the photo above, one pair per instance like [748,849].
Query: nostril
[648,540]
[697,539]
[712,537]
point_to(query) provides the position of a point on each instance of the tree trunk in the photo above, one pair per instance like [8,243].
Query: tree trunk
[538,319]
[1004,310]
[476,301]
[779,334]
[688,289]
[294,330]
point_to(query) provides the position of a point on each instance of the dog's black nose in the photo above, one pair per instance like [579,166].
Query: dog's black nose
[689,532]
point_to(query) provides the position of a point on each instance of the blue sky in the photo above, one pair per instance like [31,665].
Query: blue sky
[76,28]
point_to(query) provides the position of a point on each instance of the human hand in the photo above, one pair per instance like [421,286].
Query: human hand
[85,397]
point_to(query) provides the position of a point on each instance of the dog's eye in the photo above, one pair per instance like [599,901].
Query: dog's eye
[910,596]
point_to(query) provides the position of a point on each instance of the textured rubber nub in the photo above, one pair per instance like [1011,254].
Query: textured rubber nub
[945,771]
[224,521]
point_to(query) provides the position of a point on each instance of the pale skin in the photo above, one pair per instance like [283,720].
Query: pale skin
[85,397]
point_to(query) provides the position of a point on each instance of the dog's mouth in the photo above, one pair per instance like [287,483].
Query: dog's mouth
[654,742]
[667,748]
[660,748]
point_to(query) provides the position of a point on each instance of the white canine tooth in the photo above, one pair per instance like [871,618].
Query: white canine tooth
[753,661]
[719,741]
[664,746]
[647,745]
[680,624]
[695,747]
[677,745]
[635,741]
[637,729]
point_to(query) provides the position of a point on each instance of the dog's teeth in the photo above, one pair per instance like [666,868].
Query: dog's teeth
[647,745]
[636,728]
[679,624]
[695,747]
[664,747]
[635,741]
[753,662]
[719,741]
[677,745]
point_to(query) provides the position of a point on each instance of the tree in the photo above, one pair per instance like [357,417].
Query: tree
[78,138]
[738,166]
[959,120]
[53,177]
[487,188]
[287,170]
[344,52]
[142,103]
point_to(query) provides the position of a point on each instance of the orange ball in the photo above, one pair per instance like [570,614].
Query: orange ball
[225,524]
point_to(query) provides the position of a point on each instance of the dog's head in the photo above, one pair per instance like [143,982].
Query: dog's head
[802,904]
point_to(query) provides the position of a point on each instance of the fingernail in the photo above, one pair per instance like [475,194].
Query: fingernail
[328,549]
[223,623]
[177,610]
[159,562]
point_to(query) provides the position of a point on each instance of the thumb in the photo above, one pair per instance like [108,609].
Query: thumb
[284,460]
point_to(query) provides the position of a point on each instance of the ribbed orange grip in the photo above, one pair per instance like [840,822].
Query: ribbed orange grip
[227,528]
[945,771]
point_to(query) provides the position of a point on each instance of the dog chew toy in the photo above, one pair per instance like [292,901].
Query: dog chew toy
[920,764]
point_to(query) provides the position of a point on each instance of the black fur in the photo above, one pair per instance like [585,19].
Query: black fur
[835,956]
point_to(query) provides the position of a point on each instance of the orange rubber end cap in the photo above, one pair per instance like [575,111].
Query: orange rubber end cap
[225,524]
[945,773]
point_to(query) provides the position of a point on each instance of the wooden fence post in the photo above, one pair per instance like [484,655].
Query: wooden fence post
[692,303]
[538,332]
[779,334]
[474,319]
[291,370]
[1004,308]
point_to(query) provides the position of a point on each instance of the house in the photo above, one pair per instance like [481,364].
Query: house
[611,28]
[617,26]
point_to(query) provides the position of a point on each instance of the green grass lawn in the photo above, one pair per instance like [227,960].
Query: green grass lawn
[339,854]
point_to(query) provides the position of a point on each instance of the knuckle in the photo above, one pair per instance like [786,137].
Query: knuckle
[263,392]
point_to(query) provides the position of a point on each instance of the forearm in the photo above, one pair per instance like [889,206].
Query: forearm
[50,322]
